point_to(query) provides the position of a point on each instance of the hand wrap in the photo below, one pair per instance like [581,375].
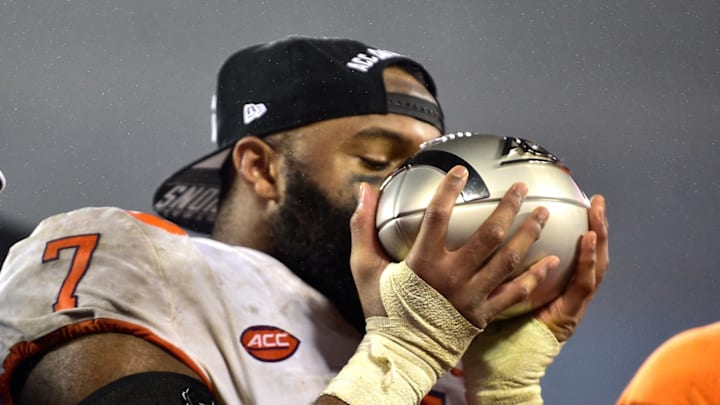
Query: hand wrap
[504,365]
[402,355]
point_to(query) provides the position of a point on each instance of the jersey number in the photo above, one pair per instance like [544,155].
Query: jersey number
[84,246]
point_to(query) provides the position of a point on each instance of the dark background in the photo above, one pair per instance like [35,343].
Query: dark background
[99,101]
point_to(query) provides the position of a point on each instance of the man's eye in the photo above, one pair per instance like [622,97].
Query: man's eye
[373,164]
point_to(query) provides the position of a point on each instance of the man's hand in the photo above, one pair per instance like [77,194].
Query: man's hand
[423,313]
[563,314]
[505,364]
[468,277]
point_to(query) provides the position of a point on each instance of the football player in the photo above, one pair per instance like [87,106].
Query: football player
[290,299]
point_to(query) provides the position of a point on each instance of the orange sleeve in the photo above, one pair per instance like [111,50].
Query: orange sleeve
[683,370]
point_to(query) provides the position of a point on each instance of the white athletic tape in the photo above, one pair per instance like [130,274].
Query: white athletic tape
[504,365]
[403,354]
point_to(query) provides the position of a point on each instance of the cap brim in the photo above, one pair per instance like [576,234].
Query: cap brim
[2,181]
[190,197]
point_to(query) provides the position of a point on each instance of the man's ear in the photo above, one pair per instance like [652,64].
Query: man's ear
[256,163]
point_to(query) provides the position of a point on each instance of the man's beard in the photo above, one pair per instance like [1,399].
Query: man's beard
[311,236]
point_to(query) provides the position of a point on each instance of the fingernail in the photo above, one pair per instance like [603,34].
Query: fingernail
[459,172]
[603,219]
[541,215]
[361,194]
[521,189]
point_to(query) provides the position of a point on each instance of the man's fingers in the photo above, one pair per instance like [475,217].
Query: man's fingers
[599,224]
[360,223]
[505,263]
[563,315]
[366,248]
[520,288]
[433,229]
[483,243]
[583,283]
[367,259]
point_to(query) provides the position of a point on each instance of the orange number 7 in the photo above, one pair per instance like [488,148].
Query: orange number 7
[84,246]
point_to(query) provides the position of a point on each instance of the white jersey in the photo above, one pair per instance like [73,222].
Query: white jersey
[251,329]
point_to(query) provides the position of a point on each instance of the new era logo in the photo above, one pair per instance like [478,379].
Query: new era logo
[251,112]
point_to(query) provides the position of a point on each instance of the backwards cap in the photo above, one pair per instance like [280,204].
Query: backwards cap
[282,85]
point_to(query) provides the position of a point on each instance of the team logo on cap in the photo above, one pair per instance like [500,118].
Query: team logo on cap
[268,343]
[251,112]
[364,61]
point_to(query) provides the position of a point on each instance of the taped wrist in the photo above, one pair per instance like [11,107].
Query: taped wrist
[402,355]
[504,365]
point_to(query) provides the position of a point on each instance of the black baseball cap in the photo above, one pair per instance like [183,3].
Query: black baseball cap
[280,85]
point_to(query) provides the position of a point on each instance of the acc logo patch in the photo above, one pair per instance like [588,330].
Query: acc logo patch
[268,343]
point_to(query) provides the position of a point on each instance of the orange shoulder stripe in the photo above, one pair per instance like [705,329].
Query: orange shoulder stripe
[154,220]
